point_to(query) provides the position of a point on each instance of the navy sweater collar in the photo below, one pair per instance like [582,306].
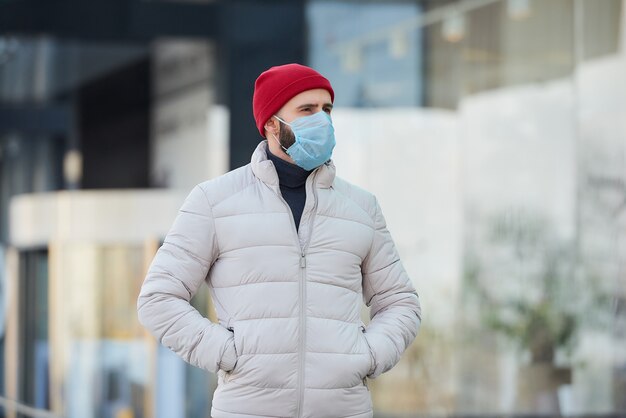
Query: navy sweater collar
[289,175]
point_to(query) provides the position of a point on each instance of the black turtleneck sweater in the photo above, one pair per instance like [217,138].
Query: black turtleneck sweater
[292,180]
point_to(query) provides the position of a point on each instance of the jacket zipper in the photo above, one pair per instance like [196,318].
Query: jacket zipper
[303,248]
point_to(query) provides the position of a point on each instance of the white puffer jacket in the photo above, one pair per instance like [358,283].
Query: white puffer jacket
[290,342]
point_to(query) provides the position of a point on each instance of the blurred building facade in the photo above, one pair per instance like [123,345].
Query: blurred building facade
[492,132]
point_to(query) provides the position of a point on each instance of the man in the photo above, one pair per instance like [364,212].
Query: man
[288,251]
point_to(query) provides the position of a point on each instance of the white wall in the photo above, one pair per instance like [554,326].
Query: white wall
[189,131]
[92,217]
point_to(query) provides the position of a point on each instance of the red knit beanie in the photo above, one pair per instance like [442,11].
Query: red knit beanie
[278,85]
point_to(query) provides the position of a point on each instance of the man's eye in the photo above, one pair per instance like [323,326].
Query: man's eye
[327,110]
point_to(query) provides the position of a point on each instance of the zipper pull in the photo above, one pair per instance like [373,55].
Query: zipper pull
[303,261]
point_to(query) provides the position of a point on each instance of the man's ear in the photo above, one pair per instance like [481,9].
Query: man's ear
[271,126]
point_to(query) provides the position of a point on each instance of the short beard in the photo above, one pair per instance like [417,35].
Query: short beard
[286,137]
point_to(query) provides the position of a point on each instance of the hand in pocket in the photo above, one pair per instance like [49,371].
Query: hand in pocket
[371,353]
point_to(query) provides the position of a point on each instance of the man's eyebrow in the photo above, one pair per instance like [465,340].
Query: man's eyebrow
[314,105]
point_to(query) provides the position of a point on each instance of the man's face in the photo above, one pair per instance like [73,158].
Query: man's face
[304,104]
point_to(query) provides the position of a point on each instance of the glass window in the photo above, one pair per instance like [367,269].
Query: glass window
[381,72]
[98,343]
[33,328]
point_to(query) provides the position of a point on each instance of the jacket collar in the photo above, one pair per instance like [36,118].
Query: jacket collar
[264,169]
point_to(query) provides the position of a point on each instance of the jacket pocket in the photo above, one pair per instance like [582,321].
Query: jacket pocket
[371,352]
[228,374]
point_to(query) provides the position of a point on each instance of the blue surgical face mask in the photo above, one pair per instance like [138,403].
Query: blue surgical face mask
[315,140]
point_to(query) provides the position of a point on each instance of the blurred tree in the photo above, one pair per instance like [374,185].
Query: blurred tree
[536,290]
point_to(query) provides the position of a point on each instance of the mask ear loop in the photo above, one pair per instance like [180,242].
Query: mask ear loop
[278,142]
[282,120]
[276,138]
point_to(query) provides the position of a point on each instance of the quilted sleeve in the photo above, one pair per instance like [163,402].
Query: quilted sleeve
[177,271]
[395,310]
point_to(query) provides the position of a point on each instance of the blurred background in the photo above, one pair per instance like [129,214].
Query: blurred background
[492,131]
